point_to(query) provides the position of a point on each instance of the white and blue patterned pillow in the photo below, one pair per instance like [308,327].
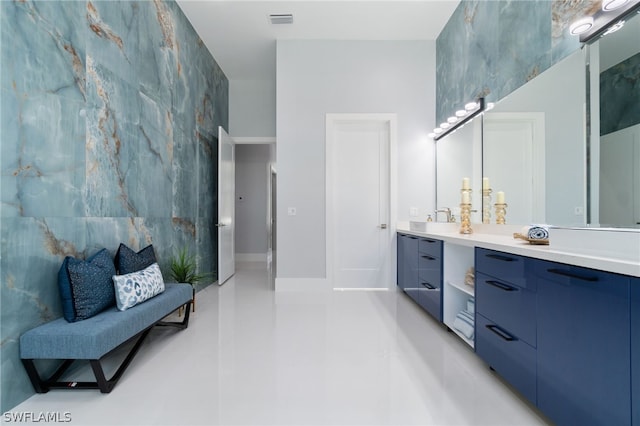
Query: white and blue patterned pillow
[137,287]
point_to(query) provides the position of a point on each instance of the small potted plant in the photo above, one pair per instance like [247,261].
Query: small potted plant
[184,270]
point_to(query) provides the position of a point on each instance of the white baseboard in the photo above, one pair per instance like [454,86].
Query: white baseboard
[302,284]
[251,257]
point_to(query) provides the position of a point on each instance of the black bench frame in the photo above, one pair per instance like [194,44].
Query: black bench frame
[105,386]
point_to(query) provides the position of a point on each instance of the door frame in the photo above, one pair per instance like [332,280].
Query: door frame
[535,120]
[222,135]
[332,119]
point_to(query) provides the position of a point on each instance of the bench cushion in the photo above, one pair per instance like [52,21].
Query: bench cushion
[96,336]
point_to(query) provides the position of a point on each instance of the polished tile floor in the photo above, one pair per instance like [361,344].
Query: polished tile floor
[255,357]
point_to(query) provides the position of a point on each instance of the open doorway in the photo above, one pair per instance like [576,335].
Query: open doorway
[254,210]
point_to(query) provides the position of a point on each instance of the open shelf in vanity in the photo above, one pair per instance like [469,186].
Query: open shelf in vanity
[456,295]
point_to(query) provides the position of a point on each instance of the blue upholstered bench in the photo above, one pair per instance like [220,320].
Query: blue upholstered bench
[93,338]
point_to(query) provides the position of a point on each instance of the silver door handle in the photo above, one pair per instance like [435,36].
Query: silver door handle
[219,225]
[383,226]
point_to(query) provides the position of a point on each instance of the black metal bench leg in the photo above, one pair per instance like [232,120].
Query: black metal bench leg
[182,324]
[38,385]
[101,380]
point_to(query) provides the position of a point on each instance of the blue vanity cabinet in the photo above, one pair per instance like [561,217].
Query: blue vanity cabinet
[419,272]
[406,244]
[506,327]
[430,276]
[635,351]
[583,345]
[408,264]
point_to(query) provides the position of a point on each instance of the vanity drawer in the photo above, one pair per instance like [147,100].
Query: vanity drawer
[430,247]
[429,269]
[507,267]
[508,355]
[508,305]
[430,298]
[577,275]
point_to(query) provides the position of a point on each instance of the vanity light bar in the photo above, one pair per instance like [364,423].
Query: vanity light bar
[610,18]
[459,119]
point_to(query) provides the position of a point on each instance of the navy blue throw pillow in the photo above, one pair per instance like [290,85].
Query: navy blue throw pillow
[87,284]
[128,261]
[64,285]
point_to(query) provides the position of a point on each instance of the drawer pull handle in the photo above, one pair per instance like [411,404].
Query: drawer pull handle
[428,286]
[424,256]
[501,333]
[429,241]
[413,238]
[500,257]
[572,275]
[501,286]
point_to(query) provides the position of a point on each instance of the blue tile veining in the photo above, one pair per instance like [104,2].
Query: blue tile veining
[619,94]
[490,48]
[109,116]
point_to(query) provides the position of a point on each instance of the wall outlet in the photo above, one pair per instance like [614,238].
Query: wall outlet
[291,211]
[413,211]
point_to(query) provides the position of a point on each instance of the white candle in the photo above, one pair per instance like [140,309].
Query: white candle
[500,197]
[465,183]
[465,197]
[485,183]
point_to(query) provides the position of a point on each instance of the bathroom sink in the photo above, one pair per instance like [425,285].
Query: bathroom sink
[617,243]
[424,226]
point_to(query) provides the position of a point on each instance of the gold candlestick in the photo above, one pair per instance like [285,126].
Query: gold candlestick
[465,218]
[501,212]
[486,206]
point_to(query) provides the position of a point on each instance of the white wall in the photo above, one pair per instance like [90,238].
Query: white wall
[252,108]
[319,77]
[252,180]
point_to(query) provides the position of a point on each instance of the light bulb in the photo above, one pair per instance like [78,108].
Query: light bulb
[581,25]
[461,113]
[452,119]
[608,5]
[471,106]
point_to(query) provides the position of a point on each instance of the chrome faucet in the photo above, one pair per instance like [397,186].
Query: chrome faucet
[446,210]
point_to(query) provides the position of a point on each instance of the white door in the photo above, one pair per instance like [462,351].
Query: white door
[359,222]
[513,160]
[226,206]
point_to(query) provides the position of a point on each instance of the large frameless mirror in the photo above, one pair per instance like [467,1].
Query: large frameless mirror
[534,147]
[614,138]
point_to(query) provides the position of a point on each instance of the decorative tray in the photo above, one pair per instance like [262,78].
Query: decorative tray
[519,236]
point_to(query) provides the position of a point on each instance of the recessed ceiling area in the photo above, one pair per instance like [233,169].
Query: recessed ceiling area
[242,39]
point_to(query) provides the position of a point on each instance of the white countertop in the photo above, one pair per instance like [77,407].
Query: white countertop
[503,241]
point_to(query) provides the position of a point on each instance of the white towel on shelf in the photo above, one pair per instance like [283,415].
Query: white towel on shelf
[464,324]
[471,305]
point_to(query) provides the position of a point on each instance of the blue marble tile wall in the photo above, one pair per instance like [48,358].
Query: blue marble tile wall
[491,48]
[619,94]
[109,127]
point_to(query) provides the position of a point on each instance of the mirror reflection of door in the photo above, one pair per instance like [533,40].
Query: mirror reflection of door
[513,159]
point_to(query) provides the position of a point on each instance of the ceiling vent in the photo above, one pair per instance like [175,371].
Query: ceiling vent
[280,18]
